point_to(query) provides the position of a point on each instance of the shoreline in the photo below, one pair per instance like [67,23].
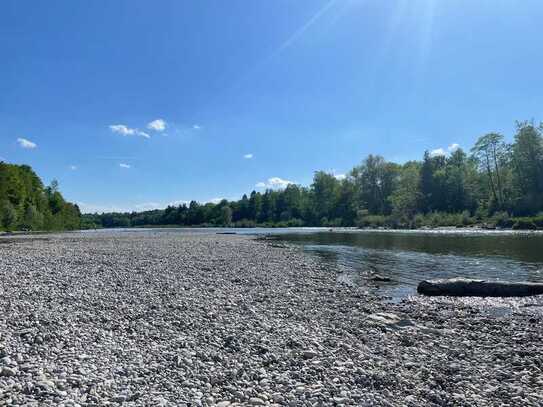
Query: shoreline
[228,320]
[472,230]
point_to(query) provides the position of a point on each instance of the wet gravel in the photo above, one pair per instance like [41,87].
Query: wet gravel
[169,319]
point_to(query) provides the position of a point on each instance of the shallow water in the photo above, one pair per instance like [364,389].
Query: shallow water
[406,258]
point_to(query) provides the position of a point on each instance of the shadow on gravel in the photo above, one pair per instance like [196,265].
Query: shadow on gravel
[8,240]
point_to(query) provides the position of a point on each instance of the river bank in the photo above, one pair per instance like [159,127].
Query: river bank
[159,318]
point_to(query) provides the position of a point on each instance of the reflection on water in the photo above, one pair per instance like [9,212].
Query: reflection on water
[408,258]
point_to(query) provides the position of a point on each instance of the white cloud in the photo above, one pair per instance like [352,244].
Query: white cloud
[340,177]
[123,165]
[157,125]
[274,182]
[196,127]
[86,207]
[177,203]
[73,167]
[438,152]
[248,156]
[453,147]
[215,200]
[24,143]
[278,182]
[127,131]
[122,130]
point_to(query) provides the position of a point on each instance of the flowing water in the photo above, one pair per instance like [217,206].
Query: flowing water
[407,257]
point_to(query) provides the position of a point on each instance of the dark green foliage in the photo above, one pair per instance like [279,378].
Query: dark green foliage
[524,224]
[26,205]
[527,154]
[9,215]
[498,185]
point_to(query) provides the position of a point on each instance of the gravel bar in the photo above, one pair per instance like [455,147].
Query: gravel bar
[195,319]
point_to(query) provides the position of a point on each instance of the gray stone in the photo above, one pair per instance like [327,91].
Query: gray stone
[8,372]
[309,354]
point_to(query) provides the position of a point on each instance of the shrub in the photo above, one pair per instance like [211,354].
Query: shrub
[244,223]
[524,224]
[295,223]
[372,221]
[538,220]
[467,219]
[418,221]
[502,220]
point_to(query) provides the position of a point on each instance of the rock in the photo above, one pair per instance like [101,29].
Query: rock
[380,278]
[255,401]
[121,398]
[461,287]
[184,318]
[309,354]
[8,372]
[390,320]
[7,361]
[46,384]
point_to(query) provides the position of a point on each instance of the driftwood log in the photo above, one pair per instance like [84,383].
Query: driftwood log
[461,287]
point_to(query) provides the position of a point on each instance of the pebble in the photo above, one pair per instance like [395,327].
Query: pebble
[8,372]
[309,354]
[197,319]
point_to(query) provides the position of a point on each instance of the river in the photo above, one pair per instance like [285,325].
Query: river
[407,257]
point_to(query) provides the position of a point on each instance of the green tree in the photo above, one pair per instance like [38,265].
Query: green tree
[325,193]
[255,205]
[9,215]
[492,155]
[459,195]
[406,196]
[375,181]
[33,219]
[267,213]
[527,155]
[226,216]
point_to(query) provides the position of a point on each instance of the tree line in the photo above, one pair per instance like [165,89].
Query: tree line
[495,183]
[25,204]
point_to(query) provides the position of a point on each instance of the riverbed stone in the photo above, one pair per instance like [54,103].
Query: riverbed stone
[176,318]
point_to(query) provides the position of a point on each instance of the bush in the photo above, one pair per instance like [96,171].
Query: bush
[443,219]
[502,220]
[8,216]
[481,214]
[244,223]
[295,223]
[418,221]
[524,224]
[467,219]
[331,223]
[538,220]
[373,221]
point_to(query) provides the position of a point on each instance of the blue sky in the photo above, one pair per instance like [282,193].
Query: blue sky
[137,104]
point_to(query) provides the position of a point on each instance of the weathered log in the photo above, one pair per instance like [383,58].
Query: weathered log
[462,287]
